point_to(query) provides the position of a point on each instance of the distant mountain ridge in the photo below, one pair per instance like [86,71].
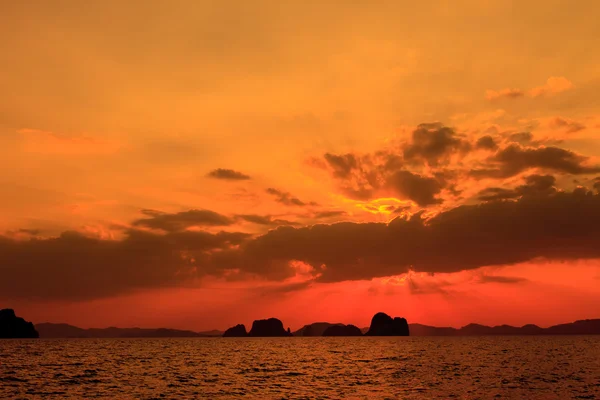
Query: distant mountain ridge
[50,330]
[580,327]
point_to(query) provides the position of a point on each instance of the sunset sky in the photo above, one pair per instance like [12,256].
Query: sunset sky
[198,164]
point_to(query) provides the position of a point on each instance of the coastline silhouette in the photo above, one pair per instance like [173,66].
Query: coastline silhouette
[382,324]
[12,326]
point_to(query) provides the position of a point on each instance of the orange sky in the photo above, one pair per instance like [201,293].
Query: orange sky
[197,164]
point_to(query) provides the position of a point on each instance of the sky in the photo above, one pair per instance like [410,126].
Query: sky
[198,164]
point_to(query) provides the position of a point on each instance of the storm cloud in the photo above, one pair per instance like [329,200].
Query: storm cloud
[562,225]
[552,225]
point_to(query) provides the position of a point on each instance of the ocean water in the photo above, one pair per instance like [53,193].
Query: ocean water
[545,367]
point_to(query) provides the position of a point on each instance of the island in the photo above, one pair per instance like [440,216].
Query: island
[271,327]
[384,325]
[342,330]
[13,327]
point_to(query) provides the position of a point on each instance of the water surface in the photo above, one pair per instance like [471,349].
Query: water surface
[543,367]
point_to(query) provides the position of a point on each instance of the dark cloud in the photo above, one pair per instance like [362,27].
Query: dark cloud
[287,199]
[514,159]
[433,142]
[596,184]
[342,165]
[265,220]
[426,169]
[152,213]
[556,226]
[534,185]
[422,190]
[496,193]
[182,220]
[538,185]
[76,267]
[501,279]
[486,142]
[523,138]
[329,214]
[385,173]
[563,225]
[358,176]
[228,174]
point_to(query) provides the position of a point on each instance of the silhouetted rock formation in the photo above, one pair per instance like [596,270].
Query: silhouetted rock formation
[236,331]
[383,325]
[314,329]
[268,328]
[13,327]
[342,330]
[50,330]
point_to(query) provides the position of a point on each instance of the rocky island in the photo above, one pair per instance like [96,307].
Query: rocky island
[271,327]
[236,331]
[13,327]
[342,330]
[381,325]
[384,325]
[314,329]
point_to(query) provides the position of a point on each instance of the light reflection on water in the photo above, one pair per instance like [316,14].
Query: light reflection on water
[326,368]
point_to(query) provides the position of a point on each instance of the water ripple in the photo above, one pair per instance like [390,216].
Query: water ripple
[302,368]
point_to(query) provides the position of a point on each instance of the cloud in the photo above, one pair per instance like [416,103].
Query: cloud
[433,142]
[492,95]
[329,214]
[182,220]
[75,267]
[423,286]
[343,164]
[265,220]
[554,85]
[514,159]
[287,199]
[422,190]
[508,280]
[554,226]
[391,172]
[562,225]
[228,174]
[523,138]
[486,142]
[534,185]
[569,125]
[437,165]
[496,193]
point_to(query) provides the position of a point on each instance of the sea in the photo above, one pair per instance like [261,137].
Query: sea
[499,367]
